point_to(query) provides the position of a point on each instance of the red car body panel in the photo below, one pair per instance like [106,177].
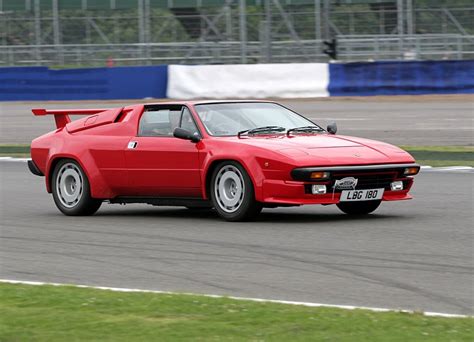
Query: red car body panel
[171,167]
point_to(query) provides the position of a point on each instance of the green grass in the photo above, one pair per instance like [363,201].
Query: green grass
[424,155]
[19,151]
[64,313]
[442,155]
[438,148]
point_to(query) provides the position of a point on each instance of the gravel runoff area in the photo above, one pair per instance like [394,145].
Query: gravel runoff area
[401,120]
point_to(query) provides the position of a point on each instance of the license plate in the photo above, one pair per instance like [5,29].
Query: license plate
[361,195]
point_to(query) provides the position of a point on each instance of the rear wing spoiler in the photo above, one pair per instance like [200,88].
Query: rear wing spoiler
[61,116]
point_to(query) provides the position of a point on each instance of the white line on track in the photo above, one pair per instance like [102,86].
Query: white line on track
[447,168]
[261,300]
[11,159]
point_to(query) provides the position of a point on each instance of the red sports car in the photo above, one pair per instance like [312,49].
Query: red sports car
[236,156]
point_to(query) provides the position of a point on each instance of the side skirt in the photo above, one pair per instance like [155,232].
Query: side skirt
[163,201]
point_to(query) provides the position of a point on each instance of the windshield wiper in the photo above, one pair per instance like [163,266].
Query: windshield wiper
[304,129]
[264,129]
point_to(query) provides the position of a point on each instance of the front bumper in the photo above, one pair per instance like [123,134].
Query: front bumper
[297,192]
[293,193]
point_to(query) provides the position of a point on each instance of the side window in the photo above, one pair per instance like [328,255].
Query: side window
[187,121]
[160,122]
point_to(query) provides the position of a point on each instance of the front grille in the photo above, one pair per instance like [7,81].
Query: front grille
[367,181]
[374,180]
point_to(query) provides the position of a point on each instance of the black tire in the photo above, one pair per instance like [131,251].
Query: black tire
[358,208]
[246,207]
[71,190]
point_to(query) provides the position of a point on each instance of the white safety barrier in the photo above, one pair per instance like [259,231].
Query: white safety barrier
[248,81]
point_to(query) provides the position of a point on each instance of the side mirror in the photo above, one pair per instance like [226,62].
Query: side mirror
[332,128]
[182,133]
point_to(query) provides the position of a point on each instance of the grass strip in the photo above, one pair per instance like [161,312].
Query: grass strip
[442,155]
[66,313]
[14,149]
[438,148]
[425,155]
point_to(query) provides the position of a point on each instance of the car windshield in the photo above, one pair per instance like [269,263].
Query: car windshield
[224,119]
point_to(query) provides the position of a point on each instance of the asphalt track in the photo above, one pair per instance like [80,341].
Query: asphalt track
[414,255]
[401,120]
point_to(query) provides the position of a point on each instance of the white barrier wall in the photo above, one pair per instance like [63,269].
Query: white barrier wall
[248,81]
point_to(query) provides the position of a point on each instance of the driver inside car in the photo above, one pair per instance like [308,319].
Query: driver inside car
[173,119]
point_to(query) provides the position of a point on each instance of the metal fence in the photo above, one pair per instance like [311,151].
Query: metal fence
[236,33]
[362,48]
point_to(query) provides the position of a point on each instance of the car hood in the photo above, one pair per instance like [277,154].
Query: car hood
[326,149]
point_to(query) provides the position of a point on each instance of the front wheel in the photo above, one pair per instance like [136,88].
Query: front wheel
[71,190]
[358,208]
[232,193]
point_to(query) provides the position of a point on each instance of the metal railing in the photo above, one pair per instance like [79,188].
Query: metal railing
[415,47]
[350,49]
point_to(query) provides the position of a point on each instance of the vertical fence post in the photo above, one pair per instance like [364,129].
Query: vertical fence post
[459,47]
[147,20]
[400,27]
[327,11]
[410,23]
[141,28]
[417,48]
[228,21]
[317,26]
[243,30]
[317,19]
[141,22]
[268,31]
[57,31]
[144,29]
[37,12]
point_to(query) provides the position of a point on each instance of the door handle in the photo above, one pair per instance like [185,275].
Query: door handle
[132,145]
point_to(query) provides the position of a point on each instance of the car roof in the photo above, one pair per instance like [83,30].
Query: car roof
[199,102]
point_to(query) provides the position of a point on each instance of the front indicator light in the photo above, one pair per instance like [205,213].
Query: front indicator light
[396,186]
[411,171]
[318,189]
[319,175]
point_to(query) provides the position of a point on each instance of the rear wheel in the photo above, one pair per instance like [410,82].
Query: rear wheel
[71,190]
[358,208]
[232,193]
